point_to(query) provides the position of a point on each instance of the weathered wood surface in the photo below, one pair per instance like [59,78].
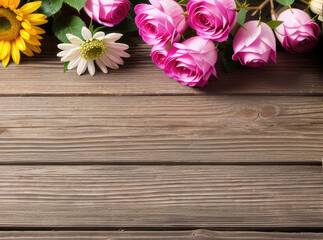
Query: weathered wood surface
[235,197]
[212,129]
[136,150]
[158,235]
[43,75]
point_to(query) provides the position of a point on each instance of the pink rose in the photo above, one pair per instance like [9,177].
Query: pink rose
[254,45]
[212,19]
[159,54]
[297,33]
[107,12]
[162,22]
[192,61]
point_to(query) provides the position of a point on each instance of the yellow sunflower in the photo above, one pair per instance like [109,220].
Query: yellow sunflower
[18,30]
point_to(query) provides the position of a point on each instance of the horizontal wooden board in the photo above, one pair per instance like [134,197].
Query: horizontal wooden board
[213,129]
[292,75]
[158,235]
[235,197]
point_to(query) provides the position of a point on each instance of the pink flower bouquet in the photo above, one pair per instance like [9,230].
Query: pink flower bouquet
[188,35]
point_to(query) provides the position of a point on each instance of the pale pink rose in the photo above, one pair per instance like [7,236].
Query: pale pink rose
[212,19]
[162,22]
[254,45]
[192,61]
[158,55]
[107,12]
[297,33]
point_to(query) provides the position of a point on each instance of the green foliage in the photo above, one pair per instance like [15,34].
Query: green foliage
[50,7]
[285,2]
[241,18]
[274,24]
[65,66]
[77,4]
[64,24]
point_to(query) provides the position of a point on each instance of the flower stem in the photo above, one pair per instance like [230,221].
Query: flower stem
[260,7]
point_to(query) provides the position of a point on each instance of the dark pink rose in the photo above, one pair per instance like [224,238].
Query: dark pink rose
[254,45]
[192,61]
[212,19]
[162,22]
[158,55]
[297,33]
[107,12]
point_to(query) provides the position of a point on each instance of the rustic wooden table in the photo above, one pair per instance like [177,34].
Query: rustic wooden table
[135,155]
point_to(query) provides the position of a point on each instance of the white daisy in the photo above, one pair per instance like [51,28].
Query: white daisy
[100,48]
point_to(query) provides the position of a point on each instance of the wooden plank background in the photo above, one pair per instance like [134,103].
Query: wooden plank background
[210,129]
[137,152]
[264,197]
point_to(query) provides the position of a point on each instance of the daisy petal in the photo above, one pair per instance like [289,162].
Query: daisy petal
[120,46]
[66,46]
[101,65]
[70,54]
[82,66]
[112,37]
[115,58]
[118,52]
[91,67]
[74,63]
[108,62]
[75,40]
[98,35]
[86,33]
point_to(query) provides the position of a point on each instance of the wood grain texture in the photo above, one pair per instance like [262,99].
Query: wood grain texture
[234,197]
[158,235]
[212,129]
[43,75]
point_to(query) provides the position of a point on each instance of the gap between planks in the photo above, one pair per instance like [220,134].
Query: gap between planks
[159,235]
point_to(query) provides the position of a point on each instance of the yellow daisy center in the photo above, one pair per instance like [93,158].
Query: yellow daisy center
[9,25]
[93,49]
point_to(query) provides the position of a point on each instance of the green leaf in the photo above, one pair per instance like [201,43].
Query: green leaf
[50,7]
[65,66]
[228,63]
[77,4]
[285,2]
[259,23]
[241,18]
[274,24]
[67,24]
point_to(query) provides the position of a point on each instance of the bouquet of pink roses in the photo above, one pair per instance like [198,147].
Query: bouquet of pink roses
[186,36]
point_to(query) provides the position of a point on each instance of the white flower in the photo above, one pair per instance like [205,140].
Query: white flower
[100,48]
[317,8]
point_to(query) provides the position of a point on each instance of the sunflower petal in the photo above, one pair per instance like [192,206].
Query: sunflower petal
[24,34]
[5,50]
[6,60]
[15,52]
[28,52]
[30,7]
[21,43]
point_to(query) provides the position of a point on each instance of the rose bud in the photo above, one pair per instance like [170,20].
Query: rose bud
[254,45]
[108,13]
[297,33]
[158,55]
[317,7]
[162,22]
[192,61]
[212,19]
